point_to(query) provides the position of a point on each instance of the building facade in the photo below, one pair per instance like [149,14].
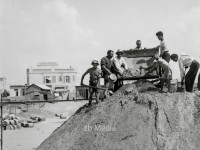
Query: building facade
[38,92]
[51,75]
[17,90]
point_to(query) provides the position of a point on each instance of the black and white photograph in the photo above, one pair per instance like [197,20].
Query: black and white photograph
[100,74]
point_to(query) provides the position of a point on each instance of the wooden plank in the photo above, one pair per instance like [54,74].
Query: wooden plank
[140,53]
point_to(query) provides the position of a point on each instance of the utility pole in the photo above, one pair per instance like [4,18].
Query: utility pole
[1,123]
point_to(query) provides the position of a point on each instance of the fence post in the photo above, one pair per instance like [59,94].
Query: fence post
[1,124]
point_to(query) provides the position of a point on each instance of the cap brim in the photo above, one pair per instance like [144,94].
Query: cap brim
[119,52]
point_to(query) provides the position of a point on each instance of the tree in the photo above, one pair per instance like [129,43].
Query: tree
[5,93]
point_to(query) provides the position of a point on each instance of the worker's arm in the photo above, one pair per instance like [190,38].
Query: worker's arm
[124,64]
[83,76]
[151,68]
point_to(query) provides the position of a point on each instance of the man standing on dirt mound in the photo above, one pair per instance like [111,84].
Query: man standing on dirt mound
[94,83]
[118,67]
[106,64]
[164,52]
[186,61]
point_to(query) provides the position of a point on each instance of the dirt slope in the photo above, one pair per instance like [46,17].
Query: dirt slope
[136,117]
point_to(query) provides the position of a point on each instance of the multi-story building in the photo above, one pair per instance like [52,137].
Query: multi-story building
[51,75]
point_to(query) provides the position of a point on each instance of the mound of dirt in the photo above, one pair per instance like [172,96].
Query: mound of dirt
[136,117]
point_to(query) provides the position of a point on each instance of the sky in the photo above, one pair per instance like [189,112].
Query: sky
[74,32]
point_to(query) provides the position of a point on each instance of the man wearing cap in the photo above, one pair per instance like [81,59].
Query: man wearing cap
[95,75]
[106,63]
[118,67]
[186,61]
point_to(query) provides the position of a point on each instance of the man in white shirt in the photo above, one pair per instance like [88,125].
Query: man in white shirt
[186,61]
[118,67]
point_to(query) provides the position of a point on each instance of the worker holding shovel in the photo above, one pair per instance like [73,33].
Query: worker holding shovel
[94,82]
[167,73]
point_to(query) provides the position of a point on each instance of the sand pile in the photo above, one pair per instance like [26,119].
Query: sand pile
[136,117]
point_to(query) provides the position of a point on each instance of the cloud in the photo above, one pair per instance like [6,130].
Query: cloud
[187,29]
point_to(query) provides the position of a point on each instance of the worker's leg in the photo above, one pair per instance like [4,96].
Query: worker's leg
[198,84]
[162,84]
[191,75]
[169,85]
[97,97]
[91,96]
[116,85]
[106,85]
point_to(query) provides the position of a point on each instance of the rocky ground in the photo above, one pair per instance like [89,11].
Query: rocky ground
[136,117]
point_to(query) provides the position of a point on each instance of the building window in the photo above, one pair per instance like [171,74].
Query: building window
[47,79]
[53,79]
[67,79]
[23,92]
[60,78]
[16,92]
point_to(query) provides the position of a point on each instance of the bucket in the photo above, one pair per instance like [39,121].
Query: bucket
[112,77]
[173,86]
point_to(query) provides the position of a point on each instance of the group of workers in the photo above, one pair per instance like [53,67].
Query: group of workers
[116,65]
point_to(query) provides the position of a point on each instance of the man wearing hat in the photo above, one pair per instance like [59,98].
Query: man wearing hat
[95,75]
[186,61]
[118,67]
[106,63]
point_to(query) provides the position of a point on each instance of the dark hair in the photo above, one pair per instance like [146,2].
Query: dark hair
[159,33]
[138,41]
[172,56]
[110,51]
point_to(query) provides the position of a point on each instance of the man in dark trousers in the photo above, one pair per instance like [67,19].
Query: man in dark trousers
[119,66]
[185,61]
[163,50]
[106,64]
